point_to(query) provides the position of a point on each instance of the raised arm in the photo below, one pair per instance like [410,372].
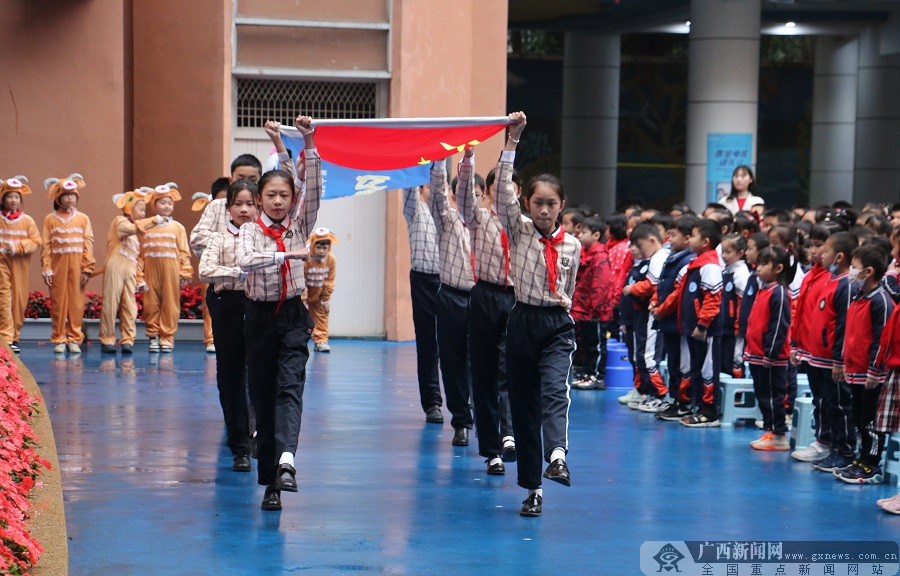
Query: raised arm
[465,188]
[507,204]
[313,196]
[437,199]
[410,200]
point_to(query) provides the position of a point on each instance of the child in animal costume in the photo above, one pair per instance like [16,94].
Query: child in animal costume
[123,273]
[320,270]
[67,261]
[167,269]
[19,239]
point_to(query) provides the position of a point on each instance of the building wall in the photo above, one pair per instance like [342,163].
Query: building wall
[63,104]
[449,59]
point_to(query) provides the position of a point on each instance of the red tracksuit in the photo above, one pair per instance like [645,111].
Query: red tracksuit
[767,343]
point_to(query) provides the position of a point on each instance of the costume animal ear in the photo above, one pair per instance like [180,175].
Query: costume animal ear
[77,178]
[50,182]
[16,184]
[21,178]
[201,201]
[119,200]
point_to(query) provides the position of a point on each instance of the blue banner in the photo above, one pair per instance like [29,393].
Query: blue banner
[724,153]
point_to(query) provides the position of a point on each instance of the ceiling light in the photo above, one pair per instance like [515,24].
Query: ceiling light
[790,24]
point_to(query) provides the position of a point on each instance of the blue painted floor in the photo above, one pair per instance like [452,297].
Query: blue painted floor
[149,489]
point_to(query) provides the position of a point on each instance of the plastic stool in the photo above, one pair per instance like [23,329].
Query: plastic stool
[804,425]
[803,390]
[664,371]
[892,458]
[619,372]
[738,401]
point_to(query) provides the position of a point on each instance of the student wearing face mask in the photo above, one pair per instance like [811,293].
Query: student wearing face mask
[868,315]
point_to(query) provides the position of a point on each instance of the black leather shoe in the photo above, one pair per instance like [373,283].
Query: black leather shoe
[271,499]
[497,469]
[531,506]
[509,453]
[107,349]
[285,478]
[461,438]
[126,349]
[558,472]
[434,416]
[241,463]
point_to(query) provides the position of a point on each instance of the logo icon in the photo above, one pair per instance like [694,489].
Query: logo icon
[668,558]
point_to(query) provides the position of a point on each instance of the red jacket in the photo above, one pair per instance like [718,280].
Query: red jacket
[703,304]
[768,326]
[889,355]
[806,306]
[620,262]
[593,286]
[868,314]
[827,323]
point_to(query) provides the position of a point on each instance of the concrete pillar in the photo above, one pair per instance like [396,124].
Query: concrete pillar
[723,79]
[877,173]
[590,119]
[833,146]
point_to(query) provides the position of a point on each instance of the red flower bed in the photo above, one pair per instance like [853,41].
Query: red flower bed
[192,301]
[19,469]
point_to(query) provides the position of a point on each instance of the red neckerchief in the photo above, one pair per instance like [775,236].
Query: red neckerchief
[286,265]
[551,255]
[504,241]
[11,215]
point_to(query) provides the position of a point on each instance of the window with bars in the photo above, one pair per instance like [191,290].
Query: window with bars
[261,99]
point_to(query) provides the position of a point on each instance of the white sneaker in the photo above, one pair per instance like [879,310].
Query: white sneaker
[632,396]
[211,348]
[641,399]
[788,421]
[815,451]
[323,347]
[652,405]
[759,424]
[154,344]
[74,348]
[59,349]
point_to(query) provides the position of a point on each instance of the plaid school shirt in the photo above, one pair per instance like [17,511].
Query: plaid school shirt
[485,231]
[529,264]
[258,254]
[455,251]
[219,262]
[423,245]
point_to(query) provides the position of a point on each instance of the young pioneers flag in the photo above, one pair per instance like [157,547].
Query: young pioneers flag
[368,156]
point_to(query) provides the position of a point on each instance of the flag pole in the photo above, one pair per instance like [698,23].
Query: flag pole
[407,122]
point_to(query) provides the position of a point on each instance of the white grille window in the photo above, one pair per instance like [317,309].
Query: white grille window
[260,99]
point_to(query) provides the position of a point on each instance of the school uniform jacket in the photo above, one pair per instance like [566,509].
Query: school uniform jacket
[620,262]
[628,303]
[866,318]
[699,296]
[749,202]
[644,291]
[734,284]
[750,293]
[671,275]
[454,248]
[807,300]
[889,355]
[593,284]
[828,323]
[768,326]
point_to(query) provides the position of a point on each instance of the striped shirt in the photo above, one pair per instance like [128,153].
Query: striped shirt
[423,245]
[528,264]
[485,231]
[258,254]
[453,237]
[219,263]
[69,235]
[163,244]
[19,236]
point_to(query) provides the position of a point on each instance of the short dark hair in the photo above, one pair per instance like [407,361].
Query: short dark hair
[819,232]
[685,224]
[761,239]
[479,183]
[246,160]
[724,217]
[880,224]
[575,213]
[218,185]
[662,219]
[645,230]
[492,176]
[779,214]
[871,254]
[745,221]
[710,230]
[844,243]
[895,207]
[618,225]
[594,224]
[737,241]
[236,187]
[843,204]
